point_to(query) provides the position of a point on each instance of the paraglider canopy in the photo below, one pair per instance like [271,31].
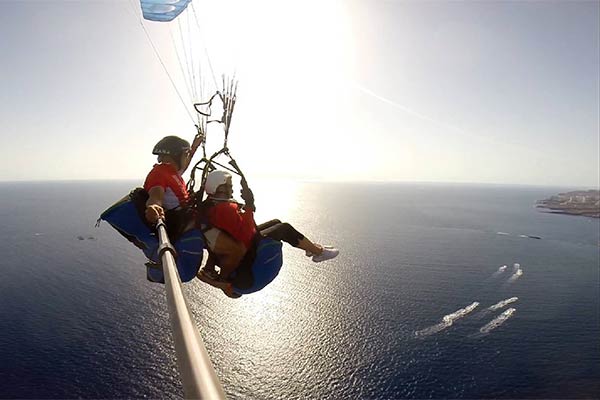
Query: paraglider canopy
[162,10]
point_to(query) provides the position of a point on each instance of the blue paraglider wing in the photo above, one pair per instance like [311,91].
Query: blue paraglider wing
[163,10]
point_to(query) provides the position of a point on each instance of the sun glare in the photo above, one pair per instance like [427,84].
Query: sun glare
[291,60]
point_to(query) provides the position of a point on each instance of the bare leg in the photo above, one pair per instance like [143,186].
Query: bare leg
[229,252]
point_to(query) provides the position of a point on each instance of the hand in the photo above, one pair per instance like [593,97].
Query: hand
[248,198]
[153,213]
[197,141]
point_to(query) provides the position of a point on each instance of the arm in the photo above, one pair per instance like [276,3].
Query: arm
[154,209]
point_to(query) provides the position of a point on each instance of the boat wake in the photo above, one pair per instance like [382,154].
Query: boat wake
[521,236]
[503,303]
[495,307]
[447,321]
[516,275]
[500,271]
[496,322]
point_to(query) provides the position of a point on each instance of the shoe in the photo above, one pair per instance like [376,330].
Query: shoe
[210,274]
[327,254]
[309,254]
[231,294]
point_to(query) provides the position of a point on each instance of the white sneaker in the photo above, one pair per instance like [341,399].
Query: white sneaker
[327,254]
[310,254]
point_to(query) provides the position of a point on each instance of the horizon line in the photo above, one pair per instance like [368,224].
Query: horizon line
[312,180]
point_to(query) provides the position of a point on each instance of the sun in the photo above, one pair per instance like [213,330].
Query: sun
[293,62]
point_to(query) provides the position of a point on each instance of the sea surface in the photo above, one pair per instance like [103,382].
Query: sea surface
[438,293]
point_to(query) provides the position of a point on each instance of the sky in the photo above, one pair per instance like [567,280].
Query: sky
[500,92]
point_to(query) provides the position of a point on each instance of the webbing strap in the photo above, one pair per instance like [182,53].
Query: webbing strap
[228,96]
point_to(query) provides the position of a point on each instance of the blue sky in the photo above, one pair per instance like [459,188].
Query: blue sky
[495,92]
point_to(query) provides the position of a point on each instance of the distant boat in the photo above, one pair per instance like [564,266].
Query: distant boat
[530,236]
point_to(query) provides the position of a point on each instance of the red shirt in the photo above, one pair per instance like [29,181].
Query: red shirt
[230,218]
[168,178]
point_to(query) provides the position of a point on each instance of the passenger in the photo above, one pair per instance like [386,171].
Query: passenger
[222,212]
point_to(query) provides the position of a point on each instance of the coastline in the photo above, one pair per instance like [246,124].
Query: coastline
[583,203]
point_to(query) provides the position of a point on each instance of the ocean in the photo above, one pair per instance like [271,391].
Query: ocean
[438,292]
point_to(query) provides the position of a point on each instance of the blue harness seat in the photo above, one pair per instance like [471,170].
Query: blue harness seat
[268,259]
[189,257]
[126,216]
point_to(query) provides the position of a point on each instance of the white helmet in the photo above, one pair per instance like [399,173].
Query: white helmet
[214,180]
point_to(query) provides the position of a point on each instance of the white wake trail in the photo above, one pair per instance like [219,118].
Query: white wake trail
[496,322]
[515,276]
[500,271]
[447,320]
[433,329]
[460,313]
[503,303]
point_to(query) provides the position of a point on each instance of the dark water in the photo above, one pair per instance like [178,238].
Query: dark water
[79,320]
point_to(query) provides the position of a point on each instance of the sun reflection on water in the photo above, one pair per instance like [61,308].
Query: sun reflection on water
[285,333]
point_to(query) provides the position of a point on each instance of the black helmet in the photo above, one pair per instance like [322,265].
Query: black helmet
[171,146]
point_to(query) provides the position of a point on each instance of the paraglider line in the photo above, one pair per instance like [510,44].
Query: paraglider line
[182,70]
[166,70]
[212,72]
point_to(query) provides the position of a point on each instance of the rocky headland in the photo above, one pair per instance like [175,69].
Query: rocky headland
[579,202]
